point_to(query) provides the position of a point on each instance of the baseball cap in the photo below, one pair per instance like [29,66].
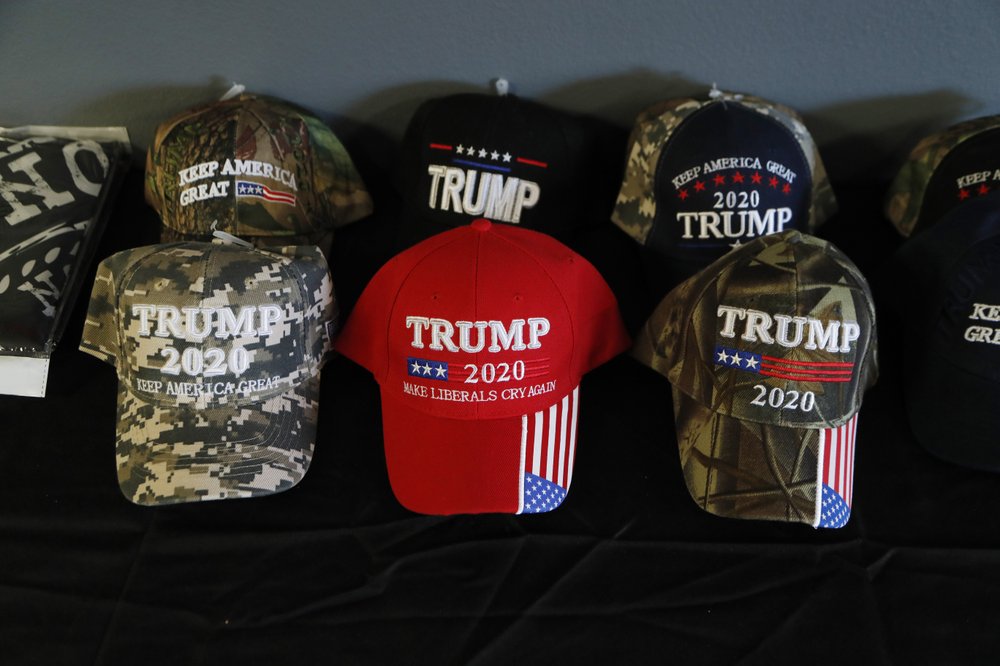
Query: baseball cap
[256,167]
[769,350]
[943,170]
[949,276]
[705,175]
[218,349]
[502,157]
[478,338]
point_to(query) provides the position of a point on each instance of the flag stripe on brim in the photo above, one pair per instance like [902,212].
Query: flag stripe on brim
[548,441]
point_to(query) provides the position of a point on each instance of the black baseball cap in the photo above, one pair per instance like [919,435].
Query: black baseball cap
[503,158]
[949,276]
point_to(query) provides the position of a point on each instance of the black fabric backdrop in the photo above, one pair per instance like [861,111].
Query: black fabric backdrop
[627,570]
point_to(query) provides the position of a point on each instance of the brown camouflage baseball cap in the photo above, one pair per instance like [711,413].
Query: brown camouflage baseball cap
[705,175]
[769,350]
[255,167]
[218,349]
[944,170]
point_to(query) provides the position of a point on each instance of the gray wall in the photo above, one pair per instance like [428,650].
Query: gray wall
[870,77]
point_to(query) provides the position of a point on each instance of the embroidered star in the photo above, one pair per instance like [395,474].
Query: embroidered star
[427,369]
[482,152]
[506,157]
[773,182]
[984,189]
[494,155]
[683,194]
[755,178]
[440,371]
[737,177]
[786,189]
[723,356]
[416,366]
[963,194]
[735,243]
[470,151]
[736,359]
[699,186]
[719,179]
[751,362]
[459,149]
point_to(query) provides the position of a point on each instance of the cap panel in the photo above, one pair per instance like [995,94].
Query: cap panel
[597,329]
[780,339]
[479,330]
[745,469]
[635,207]
[100,336]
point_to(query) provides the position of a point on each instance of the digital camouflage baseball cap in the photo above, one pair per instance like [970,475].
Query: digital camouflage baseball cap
[705,175]
[769,350]
[256,167]
[218,349]
[945,169]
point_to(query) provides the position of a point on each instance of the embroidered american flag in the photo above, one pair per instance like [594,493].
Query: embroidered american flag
[783,368]
[548,447]
[245,188]
[835,477]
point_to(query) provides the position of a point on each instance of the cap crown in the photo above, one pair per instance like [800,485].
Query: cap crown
[254,167]
[503,158]
[705,175]
[952,304]
[943,171]
[205,325]
[780,331]
[484,321]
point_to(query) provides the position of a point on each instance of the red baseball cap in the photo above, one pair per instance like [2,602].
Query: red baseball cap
[478,338]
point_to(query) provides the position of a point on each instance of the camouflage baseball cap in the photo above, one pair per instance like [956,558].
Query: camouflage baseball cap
[769,350]
[705,175]
[218,349]
[943,170]
[256,167]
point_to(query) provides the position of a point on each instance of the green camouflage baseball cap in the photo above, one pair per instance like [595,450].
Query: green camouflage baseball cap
[255,167]
[218,349]
[705,175]
[768,350]
[944,170]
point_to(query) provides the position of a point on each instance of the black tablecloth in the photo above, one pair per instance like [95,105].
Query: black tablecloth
[627,570]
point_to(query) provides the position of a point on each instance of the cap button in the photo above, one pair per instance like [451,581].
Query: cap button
[482,224]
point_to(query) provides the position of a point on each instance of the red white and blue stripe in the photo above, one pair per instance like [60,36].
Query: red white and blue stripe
[835,476]
[548,447]
[246,188]
[783,368]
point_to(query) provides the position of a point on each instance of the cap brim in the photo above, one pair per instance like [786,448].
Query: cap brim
[182,454]
[952,412]
[442,466]
[744,469]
